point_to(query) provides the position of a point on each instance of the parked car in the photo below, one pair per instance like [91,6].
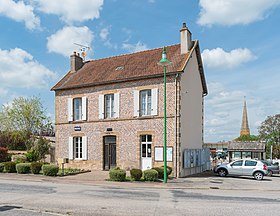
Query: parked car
[246,167]
[272,168]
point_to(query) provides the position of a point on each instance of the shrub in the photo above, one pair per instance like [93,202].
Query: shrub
[19,158]
[50,169]
[10,167]
[1,167]
[160,171]
[169,170]
[23,168]
[150,175]
[3,154]
[117,174]
[136,174]
[30,156]
[36,167]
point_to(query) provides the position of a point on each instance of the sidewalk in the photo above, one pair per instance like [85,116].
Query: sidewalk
[99,178]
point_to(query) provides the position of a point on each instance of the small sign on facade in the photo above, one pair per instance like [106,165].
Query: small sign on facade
[77,128]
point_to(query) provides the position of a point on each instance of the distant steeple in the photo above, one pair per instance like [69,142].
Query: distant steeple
[245,130]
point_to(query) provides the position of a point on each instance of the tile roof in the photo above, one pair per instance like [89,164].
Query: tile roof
[123,68]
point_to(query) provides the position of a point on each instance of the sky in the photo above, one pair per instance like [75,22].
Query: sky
[239,42]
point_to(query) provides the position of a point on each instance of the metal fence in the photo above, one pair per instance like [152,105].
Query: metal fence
[196,161]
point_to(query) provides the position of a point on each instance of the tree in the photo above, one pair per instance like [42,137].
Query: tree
[26,115]
[247,138]
[38,148]
[269,132]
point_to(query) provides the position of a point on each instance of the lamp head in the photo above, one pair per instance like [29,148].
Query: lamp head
[164,61]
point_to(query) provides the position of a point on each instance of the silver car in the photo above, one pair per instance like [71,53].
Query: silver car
[246,167]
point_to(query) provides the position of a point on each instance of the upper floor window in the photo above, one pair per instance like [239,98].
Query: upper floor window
[145,102]
[77,105]
[77,109]
[109,106]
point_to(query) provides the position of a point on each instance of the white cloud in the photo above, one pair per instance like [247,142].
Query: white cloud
[62,42]
[19,69]
[232,12]
[139,46]
[72,10]
[104,33]
[218,58]
[20,12]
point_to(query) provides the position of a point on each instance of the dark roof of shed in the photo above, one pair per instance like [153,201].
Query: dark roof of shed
[246,146]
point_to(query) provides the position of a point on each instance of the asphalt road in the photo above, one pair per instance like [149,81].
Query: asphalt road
[52,198]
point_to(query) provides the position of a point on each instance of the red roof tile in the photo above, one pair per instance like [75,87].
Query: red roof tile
[123,68]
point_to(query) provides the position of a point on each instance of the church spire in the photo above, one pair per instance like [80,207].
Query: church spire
[244,125]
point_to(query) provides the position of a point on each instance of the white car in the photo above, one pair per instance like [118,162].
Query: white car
[246,167]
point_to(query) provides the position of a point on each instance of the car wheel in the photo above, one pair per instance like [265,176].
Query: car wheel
[269,173]
[222,172]
[258,176]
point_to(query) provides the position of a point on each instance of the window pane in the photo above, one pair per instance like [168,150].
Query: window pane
[149,138]
[77,108]
[250,163]
[149,102]
[143,150]
[237,163]
[109,106]
[143,138]
[149,150]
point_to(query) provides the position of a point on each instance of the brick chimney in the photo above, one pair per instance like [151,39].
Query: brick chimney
[186,39]
[76,62]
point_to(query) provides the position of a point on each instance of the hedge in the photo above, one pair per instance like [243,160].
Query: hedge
[160,171]
[136,174]
[19,158]
[50,170]
[10,167]
[23,168]
[36,167]
[117,174]
[150,175]
[2,167]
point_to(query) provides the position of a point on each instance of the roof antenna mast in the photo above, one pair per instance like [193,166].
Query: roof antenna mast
[83,50]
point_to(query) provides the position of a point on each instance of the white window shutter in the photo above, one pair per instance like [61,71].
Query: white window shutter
[101,106]
[136,103]
[117,105]
[84,108]
[71,148]
[70,109]
[84,148]
[154,101]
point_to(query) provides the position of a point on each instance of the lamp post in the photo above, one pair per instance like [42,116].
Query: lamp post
[164,62]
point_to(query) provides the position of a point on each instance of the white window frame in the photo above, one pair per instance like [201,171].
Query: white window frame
[145,102]
[109,106]
[82,109]
[81,141]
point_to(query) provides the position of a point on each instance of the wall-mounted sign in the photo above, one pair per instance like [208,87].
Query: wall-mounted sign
[159,154]
[77,128]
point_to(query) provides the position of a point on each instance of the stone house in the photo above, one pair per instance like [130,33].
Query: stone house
[109,112]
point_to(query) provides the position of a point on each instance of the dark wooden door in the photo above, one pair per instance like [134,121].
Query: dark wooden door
[110,152]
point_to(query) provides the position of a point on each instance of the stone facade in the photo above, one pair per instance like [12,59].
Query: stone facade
[126,128]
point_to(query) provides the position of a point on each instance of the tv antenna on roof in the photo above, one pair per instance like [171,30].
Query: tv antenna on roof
[83,50]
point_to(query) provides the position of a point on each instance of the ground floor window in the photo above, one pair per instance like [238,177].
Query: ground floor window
[78,148]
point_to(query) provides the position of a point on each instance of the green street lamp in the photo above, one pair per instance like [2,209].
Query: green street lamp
[164,62]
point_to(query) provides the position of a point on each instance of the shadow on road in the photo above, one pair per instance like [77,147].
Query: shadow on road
[8,207]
